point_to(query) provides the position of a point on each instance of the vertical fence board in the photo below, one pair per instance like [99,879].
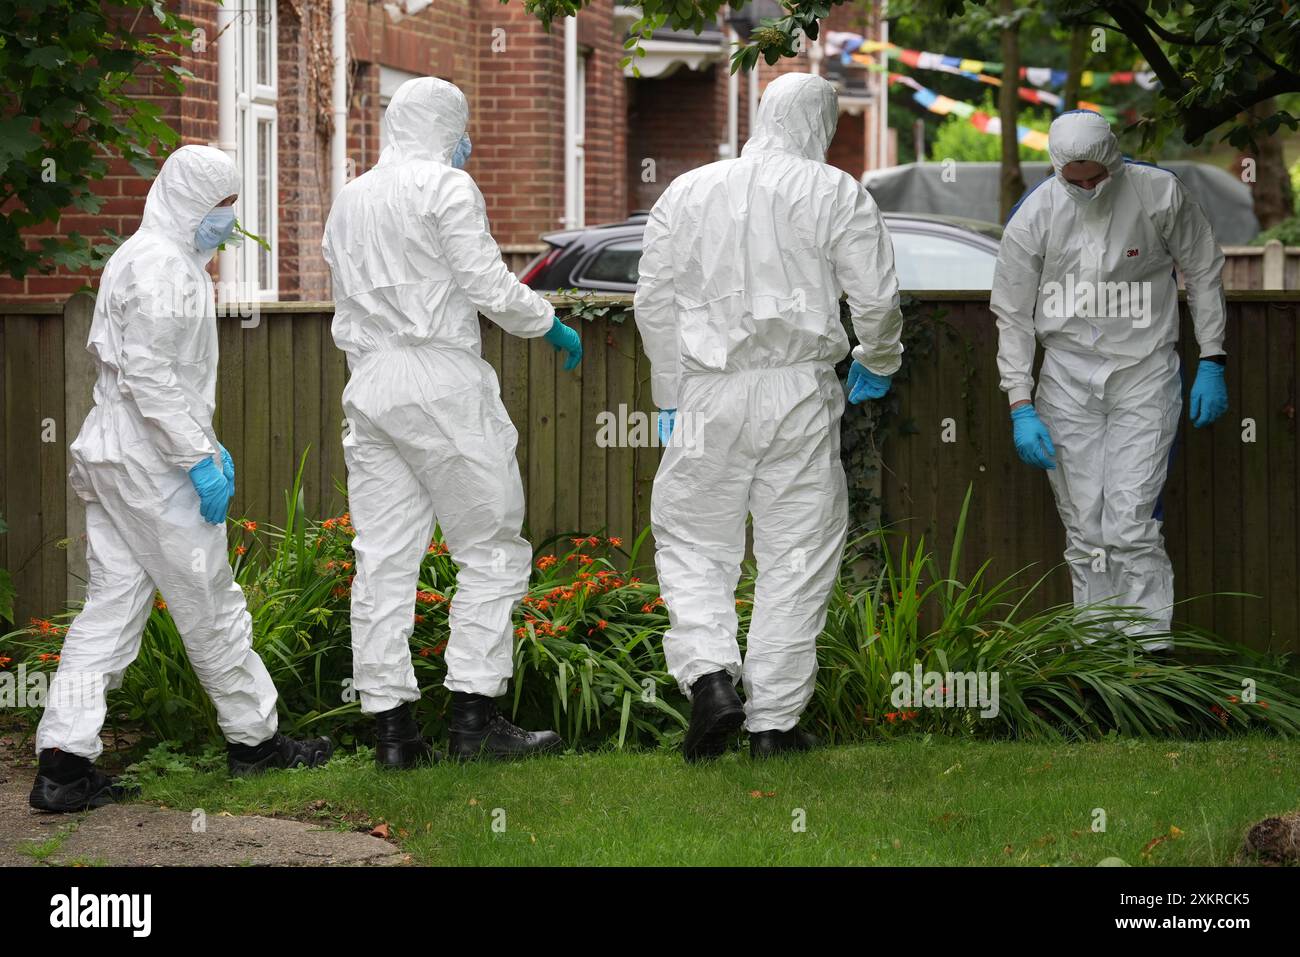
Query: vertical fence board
[254,481]
[1283,587]
[22,452]
[53,468]
[568,444]
[592,516]
[620,383]
[1250,375]
[542,369]
[1227,496]
[308,343]
[228,422]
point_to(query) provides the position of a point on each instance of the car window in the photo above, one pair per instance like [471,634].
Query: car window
[616,262]
[926,260]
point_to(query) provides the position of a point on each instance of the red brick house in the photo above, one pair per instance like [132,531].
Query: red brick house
[269,100]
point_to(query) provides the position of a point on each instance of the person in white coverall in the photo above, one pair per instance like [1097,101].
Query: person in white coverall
[428,440]
[156,482]
[743,265]
[1087,266]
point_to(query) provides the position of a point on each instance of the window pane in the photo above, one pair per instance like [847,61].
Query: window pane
[265,197]
[264,40]
[927,261]
[617,262]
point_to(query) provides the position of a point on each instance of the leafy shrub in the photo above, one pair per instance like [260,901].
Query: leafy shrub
[589,658]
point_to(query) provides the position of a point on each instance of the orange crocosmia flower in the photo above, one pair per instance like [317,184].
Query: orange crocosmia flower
[521,631]
[616,542]
[159,603]
[891,716]
[602,624]
[249,526]
[1233,698]
[586,559]
[546,561]
[419,619]
[544,604]
[425,651]
[241,549]
[579,542]
[49,657]
[561,629]
[4,661]
[440,648]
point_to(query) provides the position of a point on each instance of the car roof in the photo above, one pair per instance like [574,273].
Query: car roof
[635,224]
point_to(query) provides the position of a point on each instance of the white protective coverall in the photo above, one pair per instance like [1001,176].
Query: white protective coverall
[428,439]
[154,340]
[1094,280]
[741,273]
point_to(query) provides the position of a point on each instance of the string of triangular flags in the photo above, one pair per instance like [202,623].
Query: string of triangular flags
[853,47]
[1027,93]
[985,123]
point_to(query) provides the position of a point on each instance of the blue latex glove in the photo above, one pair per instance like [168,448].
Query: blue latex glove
[667,420]
[227,468]
[1209,394]
[865,384]
[565,339]
[1032,439]
[213,489]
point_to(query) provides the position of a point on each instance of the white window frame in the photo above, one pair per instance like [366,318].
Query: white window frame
[580,142]
[257,103]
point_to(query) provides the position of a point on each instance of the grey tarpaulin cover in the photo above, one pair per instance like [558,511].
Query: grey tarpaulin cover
[921,188]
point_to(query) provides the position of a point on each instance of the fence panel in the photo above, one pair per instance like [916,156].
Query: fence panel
[1232,509]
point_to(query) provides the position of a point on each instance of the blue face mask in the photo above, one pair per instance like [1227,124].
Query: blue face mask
[215,228]
[461,156]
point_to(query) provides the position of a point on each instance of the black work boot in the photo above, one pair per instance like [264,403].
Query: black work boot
[478,729]
[398,744]
[245,760]
[716,714]
[767,744]
[68,782]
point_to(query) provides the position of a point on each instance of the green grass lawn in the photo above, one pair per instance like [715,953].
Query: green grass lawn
[908,802]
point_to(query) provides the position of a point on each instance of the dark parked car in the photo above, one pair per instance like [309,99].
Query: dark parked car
[930,252]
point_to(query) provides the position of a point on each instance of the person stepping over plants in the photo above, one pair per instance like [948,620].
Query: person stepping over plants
[156,484]
[429,441]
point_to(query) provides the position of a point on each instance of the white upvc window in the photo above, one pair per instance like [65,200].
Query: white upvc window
[256,71]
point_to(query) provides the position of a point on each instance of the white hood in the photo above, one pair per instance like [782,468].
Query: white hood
[797,114]
[425,120]
[1083,135]
[191,182]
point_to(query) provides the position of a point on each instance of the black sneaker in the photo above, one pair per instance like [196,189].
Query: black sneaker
[479,730]
[716,715]
[68,782]
[279,752]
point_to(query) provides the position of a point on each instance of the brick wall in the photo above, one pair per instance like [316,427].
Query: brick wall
[678,122]
[303,189]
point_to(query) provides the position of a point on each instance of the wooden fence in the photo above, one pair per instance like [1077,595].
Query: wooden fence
[1232,516]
